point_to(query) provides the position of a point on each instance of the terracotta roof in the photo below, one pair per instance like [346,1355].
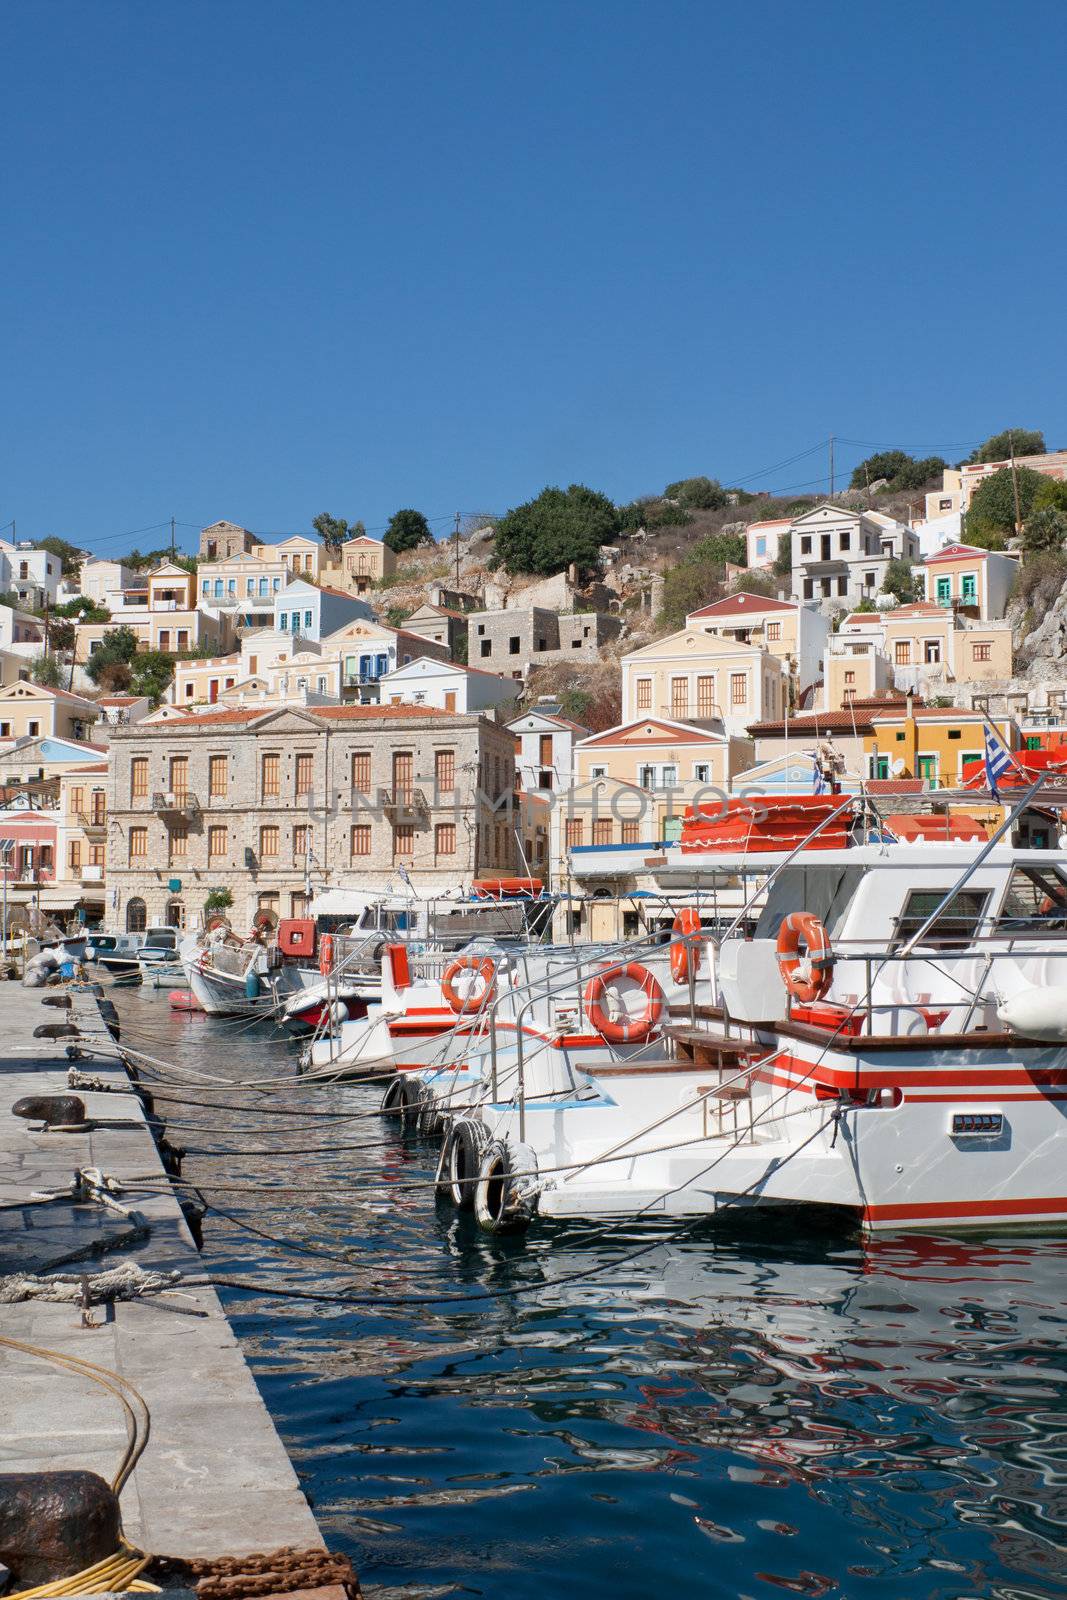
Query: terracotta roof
[949,713]
[326,588]
[769,522]
[74,772]
[822,722]
[398,713]
[743,602]
[119,699]
[896,785]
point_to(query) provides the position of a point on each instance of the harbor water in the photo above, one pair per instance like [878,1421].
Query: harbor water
[611,1411]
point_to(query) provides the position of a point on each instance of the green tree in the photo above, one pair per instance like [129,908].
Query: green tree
[697,494]
[335,531]
[151,673]
[562,525]
[903,472]
[407,530]
[82,608]
[783,561]
[992,507]
[117,648]
[687,587]
[900,582]
[69,554]
[1018,441]
[1050,492]
[46,670]
[1045,530]
[61,635]
[652,514]
[719,548]
[885,464]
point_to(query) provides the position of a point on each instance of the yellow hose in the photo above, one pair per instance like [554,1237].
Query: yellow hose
[119,1571]
[113,1574]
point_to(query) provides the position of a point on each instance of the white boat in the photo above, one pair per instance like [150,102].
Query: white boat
[864,1053]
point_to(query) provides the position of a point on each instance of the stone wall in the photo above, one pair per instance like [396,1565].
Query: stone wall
[483,758]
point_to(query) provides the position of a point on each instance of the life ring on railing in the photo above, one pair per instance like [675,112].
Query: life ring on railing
[624,1028]
[685,949]
[326,954]
[484,966]
[817,962]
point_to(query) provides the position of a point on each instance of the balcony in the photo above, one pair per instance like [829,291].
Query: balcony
[406,802]
[92,822]
[92,872]
[178,803]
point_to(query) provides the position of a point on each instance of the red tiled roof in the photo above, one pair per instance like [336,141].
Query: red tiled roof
[896,785]
[769,522]
[74,772]
[957,552]
[398,713]
[734,604]
[822,722]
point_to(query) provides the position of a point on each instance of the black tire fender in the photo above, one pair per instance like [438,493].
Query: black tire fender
[505,1194]
[461,1162]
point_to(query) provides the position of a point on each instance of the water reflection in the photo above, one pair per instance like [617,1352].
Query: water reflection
[745,1413]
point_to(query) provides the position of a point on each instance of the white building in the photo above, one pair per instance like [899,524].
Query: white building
[763,540]
[308,611]
[546,748]
[34,575]
[98,579]
[447,685]
[840,555]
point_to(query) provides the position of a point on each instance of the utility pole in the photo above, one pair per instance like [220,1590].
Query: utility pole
[455,536]
[172,552]
[831,466]
[1015,483]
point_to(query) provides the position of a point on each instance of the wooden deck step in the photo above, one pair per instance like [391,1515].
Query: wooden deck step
[708,1049]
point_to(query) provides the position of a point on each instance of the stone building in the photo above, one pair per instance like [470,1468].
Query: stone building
[513,641]
[221,540]
[277,804]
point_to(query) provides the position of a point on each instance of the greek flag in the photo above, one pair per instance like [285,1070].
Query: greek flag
[405,877]
[818,785]
[997,760]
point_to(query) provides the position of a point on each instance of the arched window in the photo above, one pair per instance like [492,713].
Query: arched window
[175,914]
[136,916]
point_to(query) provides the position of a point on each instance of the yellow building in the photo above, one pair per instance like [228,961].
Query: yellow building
[797,635]
[931,742]
[919,647]
[655,754]
[30,711]
[162,612]
[359,564]
[303,557]
[696,676]
[83,841]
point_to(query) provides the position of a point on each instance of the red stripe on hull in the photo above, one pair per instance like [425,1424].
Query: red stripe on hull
[931,1210]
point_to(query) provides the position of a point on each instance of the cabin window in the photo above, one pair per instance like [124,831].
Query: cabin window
[956,927]
[1035,902]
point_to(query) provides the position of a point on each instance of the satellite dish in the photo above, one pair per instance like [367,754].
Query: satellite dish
[897,766]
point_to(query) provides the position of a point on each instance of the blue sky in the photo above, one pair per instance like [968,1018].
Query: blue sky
[266,259]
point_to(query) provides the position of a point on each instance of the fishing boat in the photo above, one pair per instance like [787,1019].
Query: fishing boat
[319,971]
[124,955]
[880,1036]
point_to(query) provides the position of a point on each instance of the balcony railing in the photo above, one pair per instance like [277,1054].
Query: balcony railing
[92,822]
[92,872]
[176,802]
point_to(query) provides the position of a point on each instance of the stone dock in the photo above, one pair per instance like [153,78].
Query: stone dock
[215,1479]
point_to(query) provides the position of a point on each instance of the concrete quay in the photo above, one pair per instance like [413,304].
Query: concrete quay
[215,1479]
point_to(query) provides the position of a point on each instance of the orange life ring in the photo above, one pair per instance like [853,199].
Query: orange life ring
[624,1029]
[485,966]
[812,984]
[687,923]
[326,954]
